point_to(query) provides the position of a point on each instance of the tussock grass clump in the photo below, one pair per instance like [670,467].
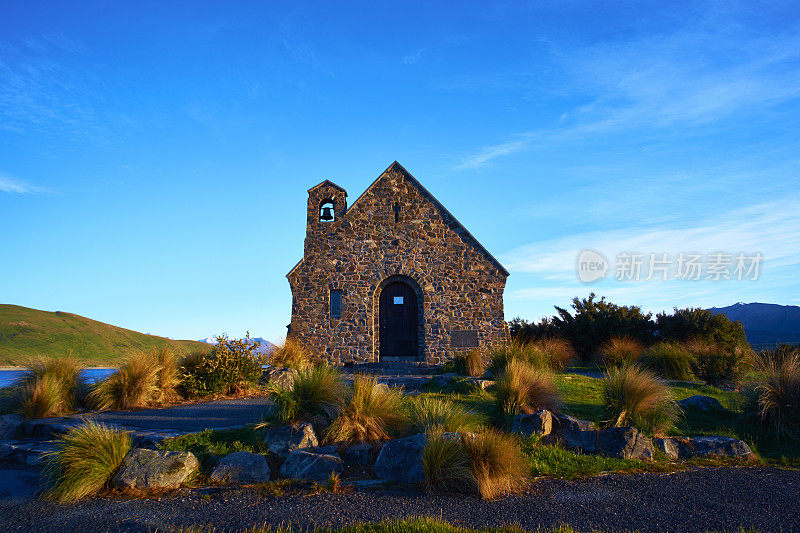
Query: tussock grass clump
[473,363]
[133,385]
[292,354]
[633,396]
[498,465]
[446,465]
[49,387]
[316,394]
[523,388]
[619,351]
[775,401]
[549,353]
[372,413]
[168,377]
[86,459]
[669,360]
[489,463]
[715,364]
[430,415]
[558,352]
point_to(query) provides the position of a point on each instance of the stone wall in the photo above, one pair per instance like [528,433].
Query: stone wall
[395,230]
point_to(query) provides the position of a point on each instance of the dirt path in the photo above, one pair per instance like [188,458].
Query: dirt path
[720,499]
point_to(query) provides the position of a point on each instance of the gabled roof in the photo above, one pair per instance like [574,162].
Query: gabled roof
[453,222]
[330,184]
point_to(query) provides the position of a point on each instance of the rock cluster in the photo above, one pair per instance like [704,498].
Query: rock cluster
[148,469]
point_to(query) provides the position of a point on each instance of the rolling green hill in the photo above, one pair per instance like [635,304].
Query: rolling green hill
[25,333]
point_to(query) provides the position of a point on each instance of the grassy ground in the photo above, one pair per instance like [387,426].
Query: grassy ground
[26,333]
[583,399]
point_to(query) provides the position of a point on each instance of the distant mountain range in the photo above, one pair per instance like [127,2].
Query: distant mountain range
[765,324]
[265,346]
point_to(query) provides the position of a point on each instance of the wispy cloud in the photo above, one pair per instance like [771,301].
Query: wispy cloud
[16,186]
[666,84]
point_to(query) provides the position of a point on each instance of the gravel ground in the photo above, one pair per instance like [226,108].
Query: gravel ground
[190,417]
[697,500]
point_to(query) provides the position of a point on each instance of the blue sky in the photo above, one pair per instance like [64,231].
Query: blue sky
[155,156]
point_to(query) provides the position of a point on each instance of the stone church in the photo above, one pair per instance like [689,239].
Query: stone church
[392,277]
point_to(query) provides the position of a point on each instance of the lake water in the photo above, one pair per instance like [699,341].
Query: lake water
[7,377]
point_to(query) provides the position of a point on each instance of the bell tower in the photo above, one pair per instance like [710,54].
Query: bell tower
[327,203]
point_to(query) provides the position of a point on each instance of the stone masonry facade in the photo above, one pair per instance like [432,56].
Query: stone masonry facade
[396,231]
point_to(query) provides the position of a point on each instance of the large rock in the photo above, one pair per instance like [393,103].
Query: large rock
[305,465]
[701,403]
[278,376]
[577,434]
[625,443]
[145,469]
[360,455]
[401,459]
[242,467]
[285,439]
[538,423]
[10,425]
[714,445]
[688,447]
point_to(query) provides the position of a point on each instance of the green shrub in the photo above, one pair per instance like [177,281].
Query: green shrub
[372,413]
[635,397]
[669,360]
[472,363]
[133,385]
[292,354]
[619,351]
[86,458]
[775,401]
[715,364]
[446,465]
[523,388]
[694,323]
[429,415]
[234,365]
[316,395]
[49,387]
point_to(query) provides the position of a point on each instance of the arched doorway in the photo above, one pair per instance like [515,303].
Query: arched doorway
[397,321]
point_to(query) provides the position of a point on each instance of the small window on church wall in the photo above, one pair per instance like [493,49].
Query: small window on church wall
[336,303]
[396,209]
[326,211]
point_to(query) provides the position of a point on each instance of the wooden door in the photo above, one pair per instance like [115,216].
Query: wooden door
[398,320]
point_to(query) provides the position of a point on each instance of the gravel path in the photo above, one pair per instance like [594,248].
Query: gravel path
[191,417]
[696,500]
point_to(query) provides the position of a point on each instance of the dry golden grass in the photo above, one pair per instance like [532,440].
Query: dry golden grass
[292,354]
[497,463]
[558,351]
[446,465]
[636,397]
[473,363]
[168,377]
[776,400]
[133,385]
[619,351]
[374,412]
[316,394]
[430,415]
[49,387]
[523,388]
[86,458]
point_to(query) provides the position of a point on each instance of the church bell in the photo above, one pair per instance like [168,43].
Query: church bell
[327,214]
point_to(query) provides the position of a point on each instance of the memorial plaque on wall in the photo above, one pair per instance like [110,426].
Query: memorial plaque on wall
[464,339]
